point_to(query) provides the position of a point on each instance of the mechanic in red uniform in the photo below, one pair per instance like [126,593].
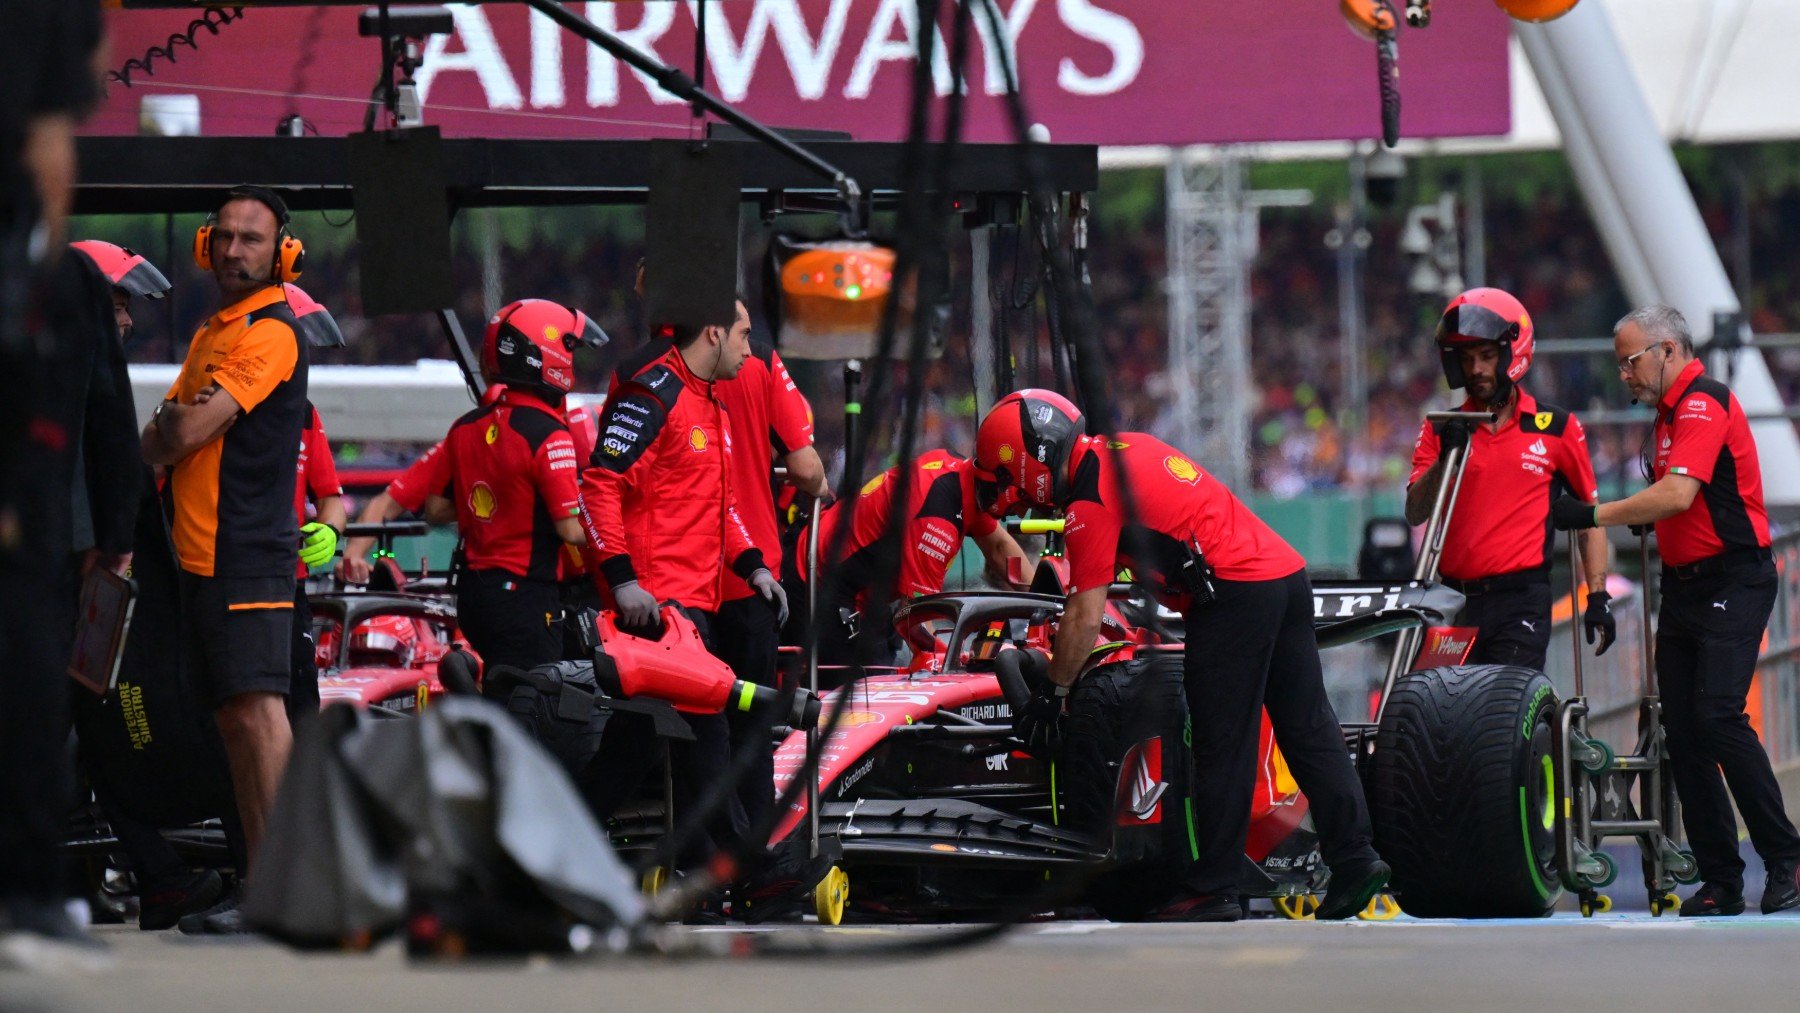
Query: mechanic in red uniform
[1132,500]
[315,482]
[767,415]
[1718,589]
[663,527]
[1499,545]
[510,471]
[941,512]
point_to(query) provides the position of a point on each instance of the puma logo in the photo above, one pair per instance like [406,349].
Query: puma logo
[1528,624]
[1720,605]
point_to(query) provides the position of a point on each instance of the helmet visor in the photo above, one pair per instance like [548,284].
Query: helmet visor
[589,333]
[143,279]
[1469,323]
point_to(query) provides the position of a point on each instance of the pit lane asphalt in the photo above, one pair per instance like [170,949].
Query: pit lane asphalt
[1612,961]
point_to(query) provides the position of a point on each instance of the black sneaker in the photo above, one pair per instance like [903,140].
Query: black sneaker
[41,936]
[1198,907]
[164,904]
[1351,890]
[1783,890]
[195,924]
[1713,901]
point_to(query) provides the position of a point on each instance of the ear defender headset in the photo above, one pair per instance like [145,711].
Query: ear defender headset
[290,254]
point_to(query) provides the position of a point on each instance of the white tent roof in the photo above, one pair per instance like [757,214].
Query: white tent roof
[1713,72]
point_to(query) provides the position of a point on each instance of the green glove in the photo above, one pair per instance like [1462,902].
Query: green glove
[318,543]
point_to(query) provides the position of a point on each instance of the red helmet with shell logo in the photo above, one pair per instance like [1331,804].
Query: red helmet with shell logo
[530,344]
[1022,451]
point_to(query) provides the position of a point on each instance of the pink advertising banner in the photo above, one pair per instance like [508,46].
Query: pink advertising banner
[1094,71]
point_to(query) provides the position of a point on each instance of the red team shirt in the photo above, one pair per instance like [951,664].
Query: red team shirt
[1701,432]
[1176,504]
[940,512]
[658,489]
[511,469]
[315,473]
[1502,519]
[768,415]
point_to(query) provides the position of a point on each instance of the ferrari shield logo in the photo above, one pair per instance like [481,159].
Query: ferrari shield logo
[1543,420]
[492,434]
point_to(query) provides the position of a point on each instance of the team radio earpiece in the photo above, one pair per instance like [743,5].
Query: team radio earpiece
[290,253]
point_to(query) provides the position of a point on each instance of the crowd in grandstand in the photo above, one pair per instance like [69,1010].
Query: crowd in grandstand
[1543,248]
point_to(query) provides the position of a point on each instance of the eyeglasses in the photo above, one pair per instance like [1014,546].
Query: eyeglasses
[1627,363]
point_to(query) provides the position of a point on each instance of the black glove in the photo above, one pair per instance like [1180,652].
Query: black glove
[1640,530]
[1039,723]
[1453,434]
[1598,621]
[1571,514]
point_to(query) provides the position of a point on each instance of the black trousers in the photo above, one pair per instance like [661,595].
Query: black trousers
[1250,649]
[1514,625]
[1707,640]
[509,620]
[303,694]
[37,616]
[746,637]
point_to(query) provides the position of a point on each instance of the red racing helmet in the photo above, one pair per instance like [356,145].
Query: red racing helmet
[531,344]
[1022,451]
[125,269]
[1485,314]
[384,642]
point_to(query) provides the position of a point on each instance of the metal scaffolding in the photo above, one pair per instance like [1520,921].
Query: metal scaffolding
[1211,244]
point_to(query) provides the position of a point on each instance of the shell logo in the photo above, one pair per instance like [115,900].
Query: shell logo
[482,501]
[697,439]
[1182,468]
[493,433]
[856,719]
[1006,453]
[552,334]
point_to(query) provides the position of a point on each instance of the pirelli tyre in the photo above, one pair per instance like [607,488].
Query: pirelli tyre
[1463,791]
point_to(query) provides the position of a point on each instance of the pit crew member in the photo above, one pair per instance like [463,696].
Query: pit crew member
[316,485]
[1499,544]
[1718,589]
[1133,500]
[941,512]
[663,527]
[231,458]
[766,415]
[510,472]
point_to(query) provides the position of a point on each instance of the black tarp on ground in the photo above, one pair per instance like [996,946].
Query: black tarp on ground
[459,805]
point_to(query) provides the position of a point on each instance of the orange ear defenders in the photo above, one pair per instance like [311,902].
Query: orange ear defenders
[290,253]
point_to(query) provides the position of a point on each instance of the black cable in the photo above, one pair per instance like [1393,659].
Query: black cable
[210,20]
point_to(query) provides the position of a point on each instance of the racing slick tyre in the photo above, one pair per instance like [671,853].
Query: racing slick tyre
[1464,790]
